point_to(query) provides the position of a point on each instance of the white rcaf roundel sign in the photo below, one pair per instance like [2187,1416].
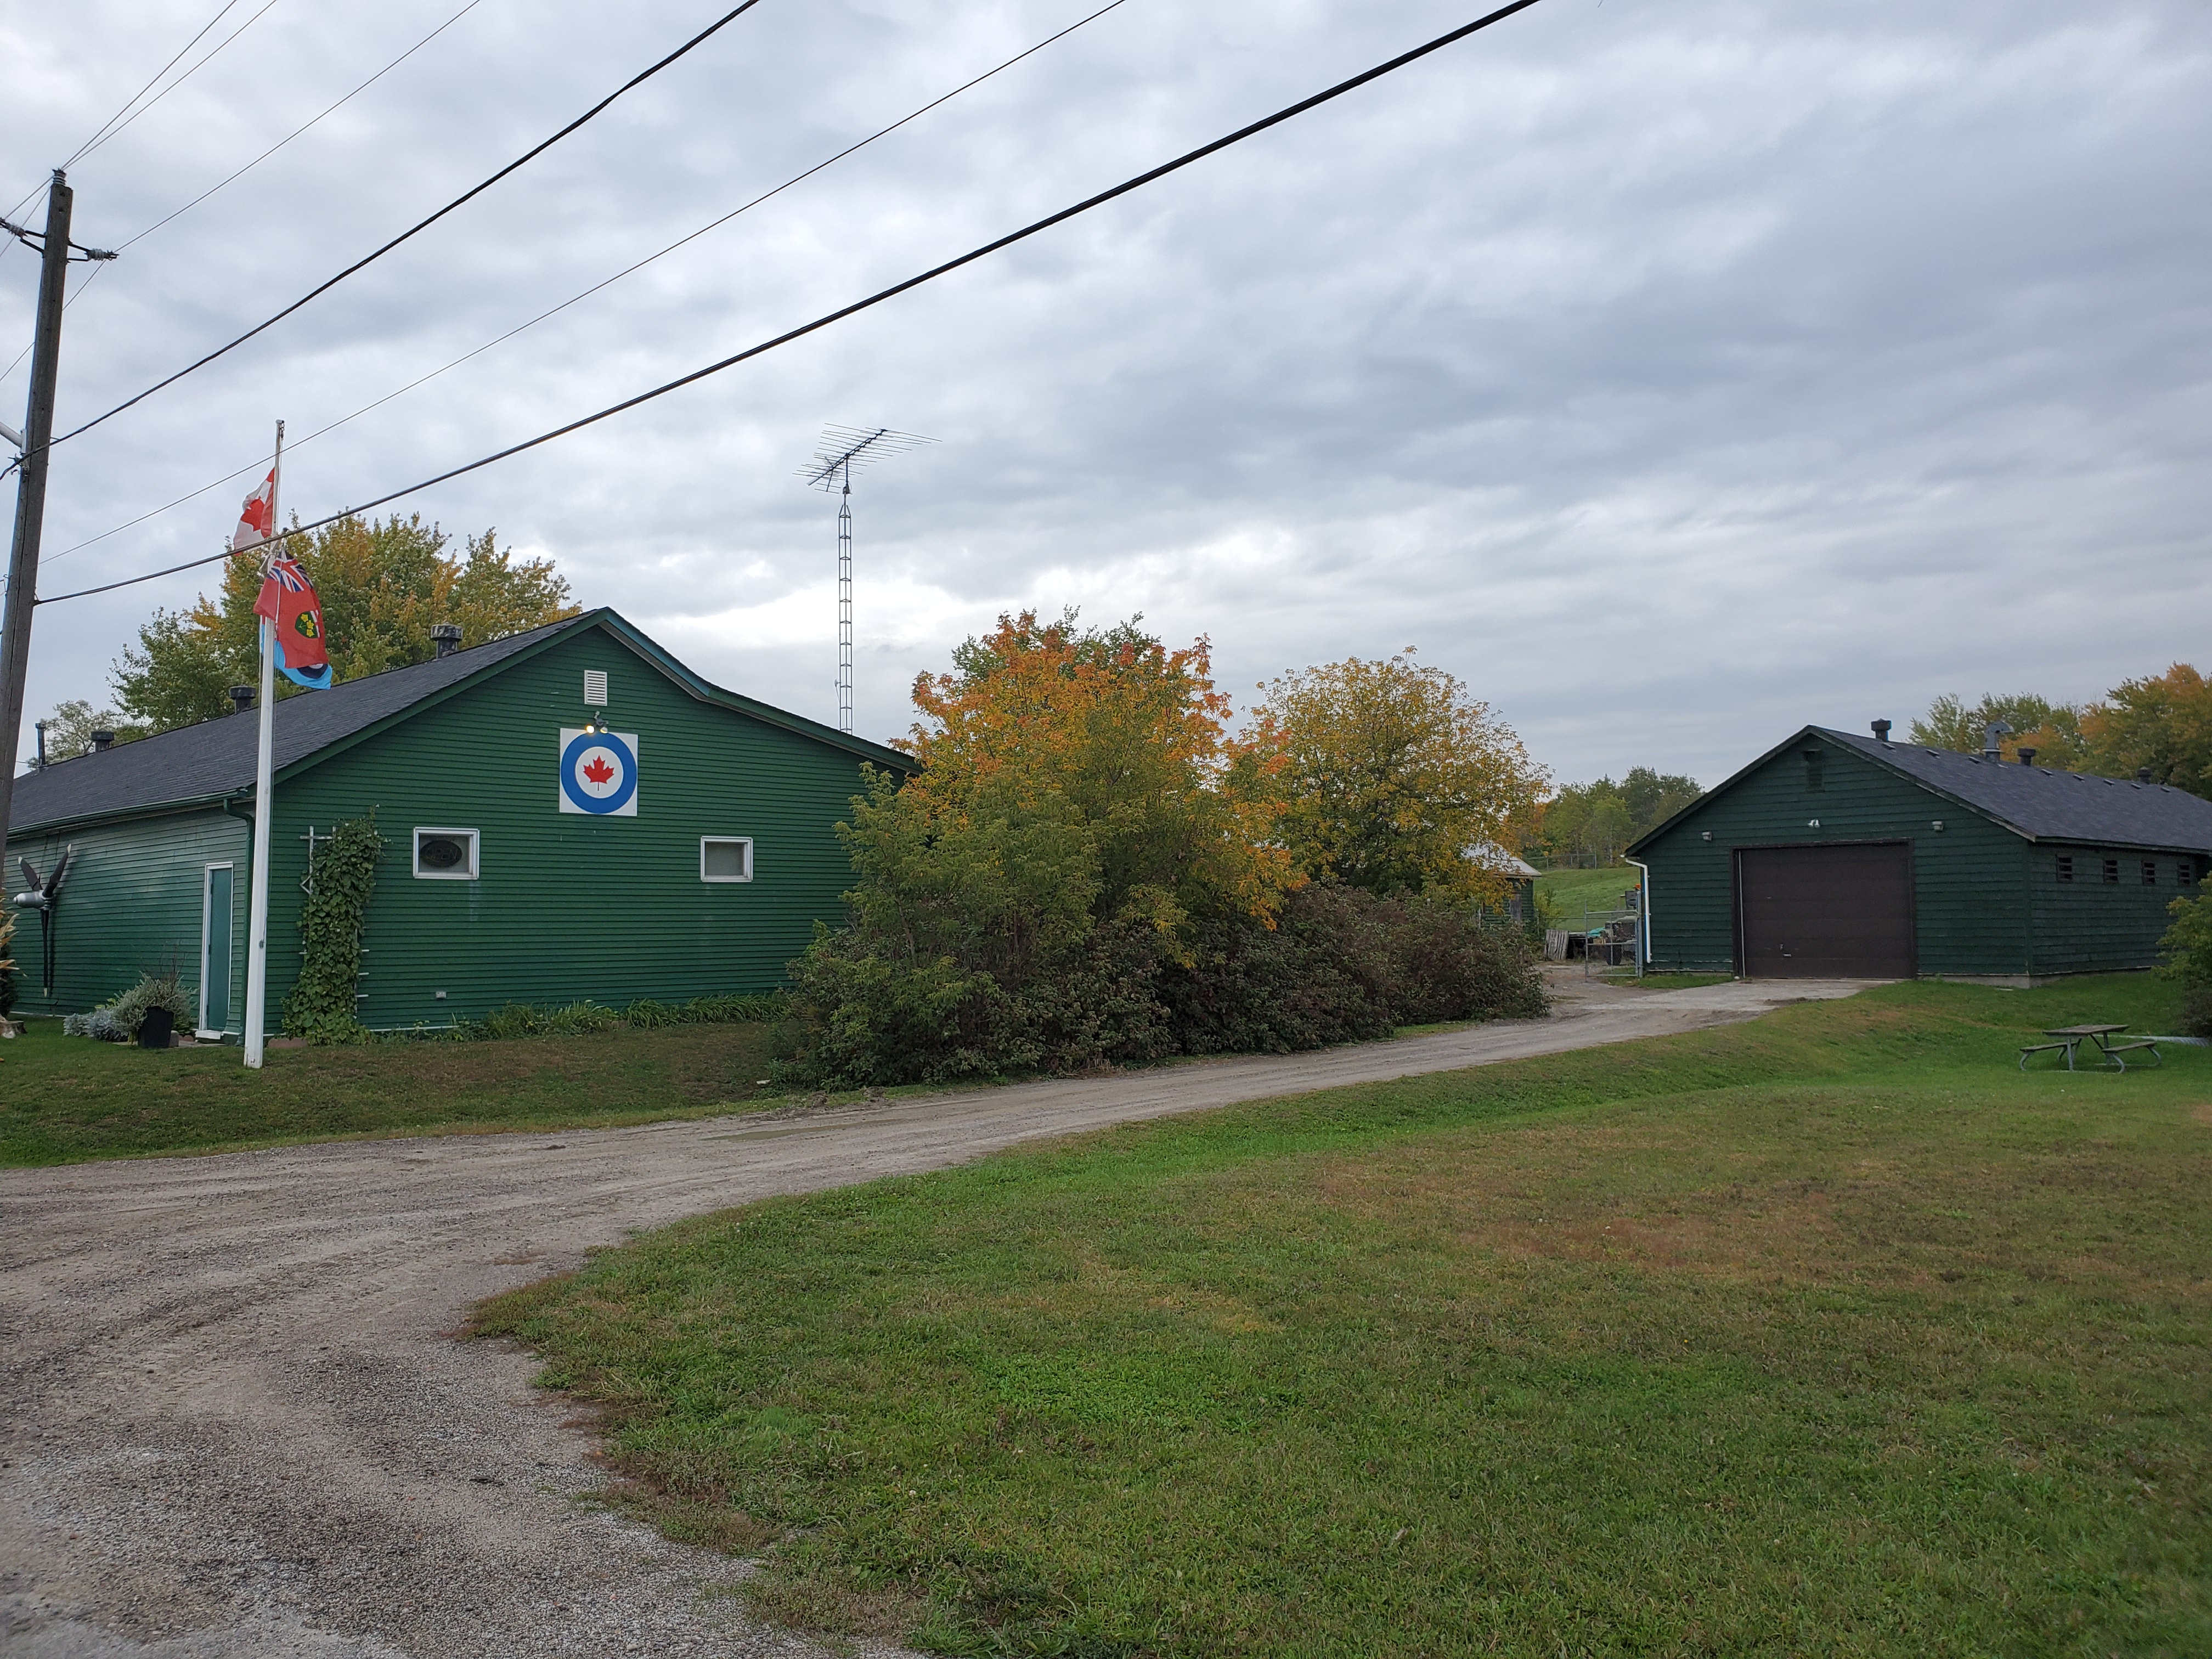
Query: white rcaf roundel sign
[599,772]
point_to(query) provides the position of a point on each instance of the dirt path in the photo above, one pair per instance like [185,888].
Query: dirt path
[231,1421]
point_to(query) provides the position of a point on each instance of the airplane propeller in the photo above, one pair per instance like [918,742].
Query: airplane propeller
[43,898]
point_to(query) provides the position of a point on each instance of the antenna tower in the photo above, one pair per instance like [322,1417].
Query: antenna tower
[841,452]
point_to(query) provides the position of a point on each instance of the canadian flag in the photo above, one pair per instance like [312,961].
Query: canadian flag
[254,519]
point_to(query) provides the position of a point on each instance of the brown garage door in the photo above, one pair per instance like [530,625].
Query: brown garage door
[1827,912]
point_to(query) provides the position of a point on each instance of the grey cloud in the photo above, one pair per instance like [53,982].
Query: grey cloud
[1673,373]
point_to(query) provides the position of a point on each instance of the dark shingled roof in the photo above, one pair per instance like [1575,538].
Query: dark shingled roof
[2045,804]
[216,756]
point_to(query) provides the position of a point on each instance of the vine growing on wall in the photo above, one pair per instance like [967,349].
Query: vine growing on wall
[321,1007]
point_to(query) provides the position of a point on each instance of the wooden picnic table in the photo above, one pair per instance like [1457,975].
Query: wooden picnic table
[2071,1037]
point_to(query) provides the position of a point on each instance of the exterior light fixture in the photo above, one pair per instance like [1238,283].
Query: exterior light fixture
[1936,825]
[1812,824]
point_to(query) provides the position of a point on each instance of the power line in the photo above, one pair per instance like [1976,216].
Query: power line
[148,87]
[858,305]
[95,143]
[249,166]
[297,130]
[587,293]
[473,191]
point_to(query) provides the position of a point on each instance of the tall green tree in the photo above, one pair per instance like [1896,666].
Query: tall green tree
[382,585]
[2053,730]
[1591,825]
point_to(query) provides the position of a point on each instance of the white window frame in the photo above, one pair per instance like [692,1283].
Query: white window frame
[467,873]
[746,841]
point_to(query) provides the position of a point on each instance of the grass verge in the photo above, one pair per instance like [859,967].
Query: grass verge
[1830,1333]
[63,1100]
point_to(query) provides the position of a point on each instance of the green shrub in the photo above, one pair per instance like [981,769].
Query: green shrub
[117,1019]
[2187,948]
[645,1014]
[323,1007]
[1341,966]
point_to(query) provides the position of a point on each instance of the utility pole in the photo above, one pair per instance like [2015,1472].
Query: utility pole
[31,488]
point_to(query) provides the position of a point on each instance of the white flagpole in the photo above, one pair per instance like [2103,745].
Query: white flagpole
[256,949]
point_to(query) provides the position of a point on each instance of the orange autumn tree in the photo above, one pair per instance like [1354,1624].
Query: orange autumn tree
[1121,740]
[1082,811]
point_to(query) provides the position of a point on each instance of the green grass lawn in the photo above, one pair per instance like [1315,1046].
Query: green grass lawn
[66,1099]
[1829,1334]
[1570,890]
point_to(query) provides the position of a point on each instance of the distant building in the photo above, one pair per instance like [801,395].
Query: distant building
[692,851]
[1520,874]
[1837,855]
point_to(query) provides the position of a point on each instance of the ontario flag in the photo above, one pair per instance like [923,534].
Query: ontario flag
[296,623]
[255,519]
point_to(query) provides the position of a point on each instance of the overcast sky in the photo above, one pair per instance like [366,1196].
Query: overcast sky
[1673,373]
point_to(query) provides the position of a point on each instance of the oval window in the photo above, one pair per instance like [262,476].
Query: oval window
[441,852]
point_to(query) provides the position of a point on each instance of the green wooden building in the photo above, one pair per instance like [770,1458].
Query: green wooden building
[1837,855]
[511,873]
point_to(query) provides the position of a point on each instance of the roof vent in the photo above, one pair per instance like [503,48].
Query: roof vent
[447,637]
[102,742]
[2027,756]
[241,698]
[1991,733]
[2143,774]
[1881,731]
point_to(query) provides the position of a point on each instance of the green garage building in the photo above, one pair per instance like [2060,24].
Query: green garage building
[568,813]
[1834,855]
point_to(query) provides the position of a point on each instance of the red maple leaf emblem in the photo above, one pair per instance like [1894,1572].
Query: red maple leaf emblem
[596,769]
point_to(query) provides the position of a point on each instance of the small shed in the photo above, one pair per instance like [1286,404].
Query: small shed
[1519,875]
[1834,855]
[699,865]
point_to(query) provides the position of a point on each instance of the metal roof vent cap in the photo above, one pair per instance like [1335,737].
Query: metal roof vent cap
[1991,733]
[2027,756]
[2143,774]
[102,742]
[241,698]
[447,637]
[1881,733]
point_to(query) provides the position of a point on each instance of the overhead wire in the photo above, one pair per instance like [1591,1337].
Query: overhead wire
[828,319]
[102,128]
[298,444]
[303,127]
[466,195]
[256,161]
[208,58]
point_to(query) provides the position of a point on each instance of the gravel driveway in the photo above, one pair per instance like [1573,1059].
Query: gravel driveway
[232,1421]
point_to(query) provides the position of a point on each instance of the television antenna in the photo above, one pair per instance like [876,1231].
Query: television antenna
[841,451]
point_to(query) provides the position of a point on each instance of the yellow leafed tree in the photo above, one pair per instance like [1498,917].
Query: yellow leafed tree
[1391,777]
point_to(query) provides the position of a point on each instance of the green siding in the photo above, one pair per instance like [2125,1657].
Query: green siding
[567,905]
[1970,878]
[2090,925]
[132,906]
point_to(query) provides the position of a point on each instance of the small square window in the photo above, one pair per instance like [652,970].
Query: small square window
[445,854]
[2112,871]
[2151,873]
[726,858]
[2065,869]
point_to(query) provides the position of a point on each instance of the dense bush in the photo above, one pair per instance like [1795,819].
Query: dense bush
[2187,948]
[1342,965]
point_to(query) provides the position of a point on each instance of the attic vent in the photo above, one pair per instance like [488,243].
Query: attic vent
[1813,768]
[595,687]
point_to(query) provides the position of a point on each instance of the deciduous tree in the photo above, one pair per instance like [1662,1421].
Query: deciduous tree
[1390,775]
[2162,722]
[382,585]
